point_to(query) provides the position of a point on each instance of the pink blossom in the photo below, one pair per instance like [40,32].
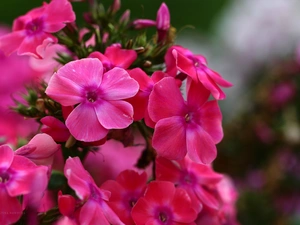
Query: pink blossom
[192,127]
[95,209]
[125,191]
[115,56]
[164,204]
[199,180]
[195,66]
[140,100]
[99,97]
[55,128]
[18,176]
[40,149]
[36,26]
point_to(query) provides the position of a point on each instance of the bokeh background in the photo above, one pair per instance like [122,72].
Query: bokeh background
[255,45]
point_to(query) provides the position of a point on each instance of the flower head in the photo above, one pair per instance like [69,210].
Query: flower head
[99,97]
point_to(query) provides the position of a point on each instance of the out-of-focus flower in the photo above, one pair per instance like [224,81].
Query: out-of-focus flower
[163,203]
[100,98]
[34,28]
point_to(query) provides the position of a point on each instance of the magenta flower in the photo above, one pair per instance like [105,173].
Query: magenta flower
[164,204]
[195,66]
[115,56]
[192,127]
[36,26]
[128,187]
[95,209]
[200,181]
[18,176]
[99,97]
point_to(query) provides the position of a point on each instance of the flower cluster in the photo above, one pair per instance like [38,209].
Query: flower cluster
[128,124]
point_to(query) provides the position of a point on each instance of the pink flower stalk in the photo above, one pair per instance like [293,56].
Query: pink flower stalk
[36,26]
[140,100]
[115,56]
[199,180]
[164,204]
[128,187]
[162,22]
[18,176]
[181,59]
[192,127]
[99,97]
[40,149]
[95,209]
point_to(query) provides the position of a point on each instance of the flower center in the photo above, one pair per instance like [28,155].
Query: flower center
[187,117]
[162,217]
[91,96]
[188,179]
[4,178]
[35,26]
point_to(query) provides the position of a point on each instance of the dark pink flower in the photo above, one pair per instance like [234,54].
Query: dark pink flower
[195,66]
[128,187]
[115,56]
[18,176]
[192,127]
[95,209]
[164,204]
[55,128]
[99,97]
[200,181]
[36,26]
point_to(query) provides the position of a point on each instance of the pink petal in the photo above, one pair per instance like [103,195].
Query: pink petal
[211,120]
[117,84]
[114,114]
[110,215]
[78,178]
[167,170]
[132,180]
[160,193]
[139,103]
[83,123]
[55,128]
[64,90]
[142,211]
[85,72]
[10,208]
[207,198]
[218,79]
[6,156]
[200,146]
[182,210]
[185,65]
[142,78]
[169,138]
[58,12]
[92,214]
[197,94]
[120,57]
[9,43]
[166,100]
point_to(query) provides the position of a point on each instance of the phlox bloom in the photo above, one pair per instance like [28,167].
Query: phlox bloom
[18,176]
[35,27]
[99,97]
[192,126]
[195,66]
[95,209]
[164,204]
[200,181]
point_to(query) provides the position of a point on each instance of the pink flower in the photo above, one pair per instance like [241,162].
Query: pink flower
[55,128]
[199,180]
[40,149]
[18,176]
[195,66]
[192,127]
[95,209]
[35,27]
[99,97]
[164,204]
[114,56]
[125,191]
